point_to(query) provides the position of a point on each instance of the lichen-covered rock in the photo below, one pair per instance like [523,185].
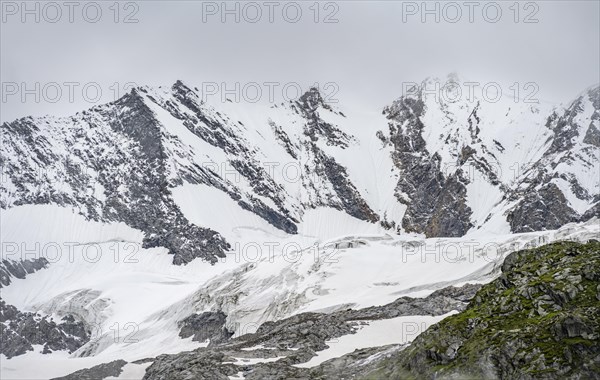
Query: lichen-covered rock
[539,320]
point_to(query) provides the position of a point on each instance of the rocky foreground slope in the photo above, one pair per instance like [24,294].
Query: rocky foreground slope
[276,348]
[539,320]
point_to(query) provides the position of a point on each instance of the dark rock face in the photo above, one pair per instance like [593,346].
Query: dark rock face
[541,204]
[326,167]
[436,203]
[539,320]
[216,130]
[149,206]
[19,269]
[439,302]
[101,371]
[545,209]
[433,184]
[309,331]
[263,185]
[119,163]
[206,364]
[594,211]
[123,153]
[283,138]
[316,128]
[20,331]
[208,325]
[565,128]
[450,216]
[592,136]
[350,199]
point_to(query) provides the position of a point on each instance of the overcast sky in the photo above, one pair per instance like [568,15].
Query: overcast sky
[368,53]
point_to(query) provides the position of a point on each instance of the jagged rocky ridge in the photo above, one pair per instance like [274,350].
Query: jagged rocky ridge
[574,141]
[112,169]
[455,163]
[453,154]
[123,161]
[436,202]
[119,162]
[539,320]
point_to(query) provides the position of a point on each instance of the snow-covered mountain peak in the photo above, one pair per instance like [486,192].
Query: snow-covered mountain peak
[438,166]
[312,99]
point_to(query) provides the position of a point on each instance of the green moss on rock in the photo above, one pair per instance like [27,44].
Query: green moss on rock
[540,319]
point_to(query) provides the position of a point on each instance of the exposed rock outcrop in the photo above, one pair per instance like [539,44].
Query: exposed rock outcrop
[295,340]
[21,330]
[436,202]
[19,269]
[99,372]
[539,320]
[206,326]
[543,209]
